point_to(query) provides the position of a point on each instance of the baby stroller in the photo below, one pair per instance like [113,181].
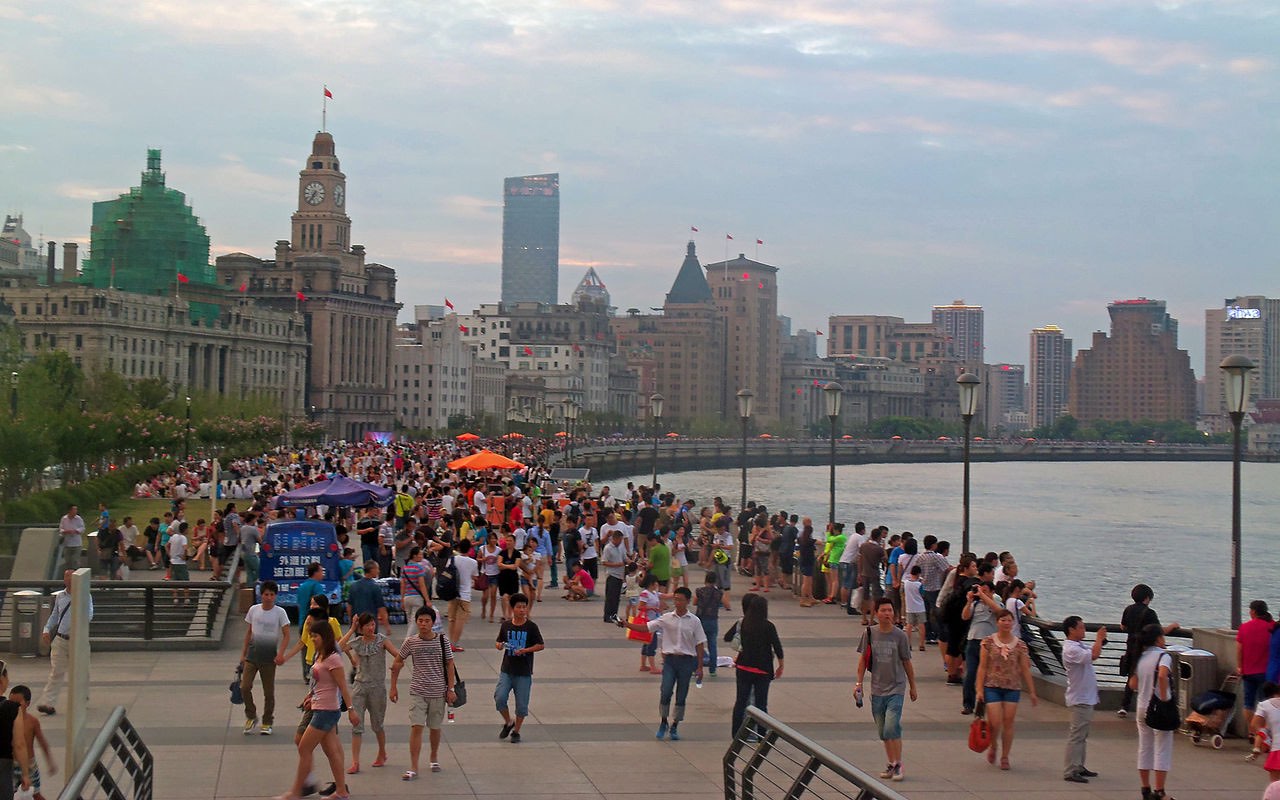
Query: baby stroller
[1212,712]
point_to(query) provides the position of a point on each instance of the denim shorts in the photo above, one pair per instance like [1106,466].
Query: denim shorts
[993,694]
[1252,683]
[886,710]
[325,720]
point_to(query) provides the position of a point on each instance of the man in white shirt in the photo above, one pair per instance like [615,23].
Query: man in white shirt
[460,607]
[683,642]
[1082,694]
[590,557]
[57,636]
[265,643]
[848,572]
[610,525]
[71,528]
[480,502]
[614,561]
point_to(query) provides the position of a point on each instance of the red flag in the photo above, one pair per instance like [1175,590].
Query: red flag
[447,304]
[301,296]
[244,287]
[815,381]
[528,351]
[692,228]
[760,285]
[183,278]
[577,349]
[759,241]
[328,93]
[729,236]
[463,328]
[820,333]
[746,277]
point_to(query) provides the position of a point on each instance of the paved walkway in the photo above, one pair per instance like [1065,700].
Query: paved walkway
[593,715]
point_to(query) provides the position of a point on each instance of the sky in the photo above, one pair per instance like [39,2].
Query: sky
[1037,157]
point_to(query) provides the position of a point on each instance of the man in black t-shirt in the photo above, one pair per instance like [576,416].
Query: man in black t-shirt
[518,639]
[1136,617]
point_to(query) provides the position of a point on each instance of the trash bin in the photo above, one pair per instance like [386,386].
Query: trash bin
[31,611]
[1197,672]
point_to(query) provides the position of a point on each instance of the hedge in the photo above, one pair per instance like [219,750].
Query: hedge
[50,505]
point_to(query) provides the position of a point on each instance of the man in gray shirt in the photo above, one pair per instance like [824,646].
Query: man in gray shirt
[980,607]
[71,527]
[250,538]
[886,651]
[614,561]
[870,557]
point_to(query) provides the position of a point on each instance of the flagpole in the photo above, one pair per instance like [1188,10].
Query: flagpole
[324,110]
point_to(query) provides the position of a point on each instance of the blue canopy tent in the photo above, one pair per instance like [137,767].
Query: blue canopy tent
[340,491]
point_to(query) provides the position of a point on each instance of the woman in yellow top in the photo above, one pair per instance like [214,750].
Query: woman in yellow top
[305,643]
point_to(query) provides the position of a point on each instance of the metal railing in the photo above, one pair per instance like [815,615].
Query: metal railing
[117,766]
[769,760]
[1045,645]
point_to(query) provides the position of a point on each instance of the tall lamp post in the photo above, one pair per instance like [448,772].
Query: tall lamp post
[571,414]
[13,395]
[186,435]
[968,384]
[746,401]
[655,407]
[1237,369]
[565,405]
[833,393]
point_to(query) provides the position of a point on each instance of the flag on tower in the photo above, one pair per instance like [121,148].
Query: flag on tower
[819,332]
[693,228]
[759,241]
[244,287]
[300,296]
[729,236]
[328,94]
[447,304]
[463,328]
[183,278]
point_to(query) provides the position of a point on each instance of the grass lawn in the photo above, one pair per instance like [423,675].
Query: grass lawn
[143,509]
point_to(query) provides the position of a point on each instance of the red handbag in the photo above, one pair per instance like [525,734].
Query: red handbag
[979,735]
[639,636]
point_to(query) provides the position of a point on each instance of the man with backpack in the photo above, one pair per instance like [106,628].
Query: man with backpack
[453,584]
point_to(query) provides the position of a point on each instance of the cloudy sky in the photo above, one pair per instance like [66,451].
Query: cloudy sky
[1040,158]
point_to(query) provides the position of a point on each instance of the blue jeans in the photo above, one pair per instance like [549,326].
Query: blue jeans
[522,685]
[711,627]
[972,654]
[676,672]
[930,609]
[886,710]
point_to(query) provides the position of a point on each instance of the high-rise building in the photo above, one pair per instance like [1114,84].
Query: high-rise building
[1050,375]
[1137,373]
[531,239]
[962,325]
[746,295]
[349,305]
[1242,326]
[16,248]
[1003,393]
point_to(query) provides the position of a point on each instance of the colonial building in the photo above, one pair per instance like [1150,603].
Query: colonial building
[348,305]
[1137,373]
[746,297]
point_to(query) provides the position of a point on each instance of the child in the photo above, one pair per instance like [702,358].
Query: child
[650,608]
[580,586]
[915,605]
[1266,727]
[631,582]
[22,696]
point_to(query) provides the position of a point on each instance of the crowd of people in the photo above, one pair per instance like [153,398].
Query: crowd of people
[501,539]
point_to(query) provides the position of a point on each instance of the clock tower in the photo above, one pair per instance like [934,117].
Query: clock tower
[321,224]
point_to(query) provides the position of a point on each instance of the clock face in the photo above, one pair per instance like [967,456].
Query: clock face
[339,195]
[313,193]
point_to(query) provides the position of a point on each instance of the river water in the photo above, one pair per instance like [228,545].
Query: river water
[1086,532]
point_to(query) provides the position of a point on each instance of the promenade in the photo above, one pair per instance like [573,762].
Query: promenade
[590,734]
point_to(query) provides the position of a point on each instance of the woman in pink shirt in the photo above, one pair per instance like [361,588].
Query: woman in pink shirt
[1253,649]
[328,683]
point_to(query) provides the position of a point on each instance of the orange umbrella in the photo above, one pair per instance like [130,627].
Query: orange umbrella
[846,436]
[765,436]
[485,459]
[673,435]
[513,435]
[562,434]
[467,437]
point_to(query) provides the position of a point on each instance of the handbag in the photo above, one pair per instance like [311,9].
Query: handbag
[979,735]
[237,696]
[645,636]
[480,582]
[459,685]
[1162,715]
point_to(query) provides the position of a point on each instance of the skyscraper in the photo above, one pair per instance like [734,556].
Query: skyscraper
[1050,375]
[962,324]
[531,239]
[1241,326]
[1137,373]
[746,295]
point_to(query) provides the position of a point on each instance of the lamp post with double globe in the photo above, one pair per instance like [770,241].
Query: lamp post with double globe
[968,384]
[833,393]
[1237,369]
[746,402]
[655,408]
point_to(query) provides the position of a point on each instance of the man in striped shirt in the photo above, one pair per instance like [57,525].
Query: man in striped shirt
[430,688]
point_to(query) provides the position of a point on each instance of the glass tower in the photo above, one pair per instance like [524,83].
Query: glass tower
[531,239]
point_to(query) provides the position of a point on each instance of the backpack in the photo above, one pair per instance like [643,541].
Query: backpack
[447,582]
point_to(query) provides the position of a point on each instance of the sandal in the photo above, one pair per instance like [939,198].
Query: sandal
[409,775]
[991,755]
[1004,763]
[354,769]
[379,762]
[644,669]
[435,766]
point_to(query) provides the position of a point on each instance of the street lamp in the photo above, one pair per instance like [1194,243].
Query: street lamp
[13,395]
[746,400]
[186,438]
[833,393]
[1237,369]
[968,384]
[655,407]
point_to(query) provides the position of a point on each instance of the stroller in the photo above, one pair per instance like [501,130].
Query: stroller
[1212,712]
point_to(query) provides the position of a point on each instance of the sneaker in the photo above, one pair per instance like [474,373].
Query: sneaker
[266,730]
[662,731]
[675,734]
[330,790]
[308,790]
[249,725]
[515,738]
[897,772]
[1121,713]
[888,772]
[967,710]
[506,730]
[1075,777]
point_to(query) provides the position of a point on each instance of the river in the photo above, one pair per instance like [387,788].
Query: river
[1086,532]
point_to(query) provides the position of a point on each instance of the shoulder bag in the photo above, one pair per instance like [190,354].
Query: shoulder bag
[459,685]
[1162,715]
